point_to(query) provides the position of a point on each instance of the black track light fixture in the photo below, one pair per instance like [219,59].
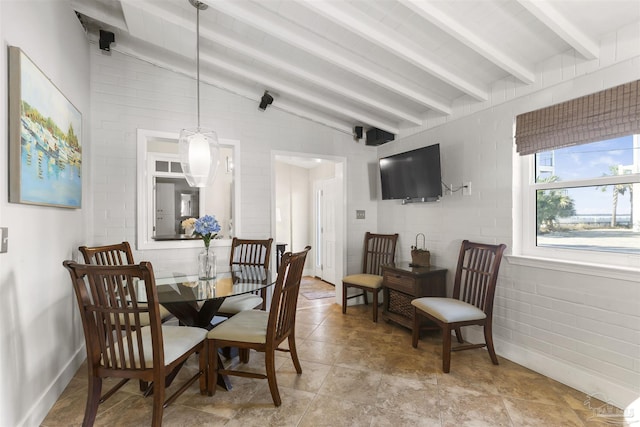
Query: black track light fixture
[265,100]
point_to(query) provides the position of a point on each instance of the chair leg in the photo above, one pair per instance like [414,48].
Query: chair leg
[212,374]
[488,338]
[446,349]
[143,385]
[271,376]
[158,402]
[204,368]
[415,333]
[375,293]
[459,335]
[93,400]
[364,295]
[344,298]
[294,353]
[243,354]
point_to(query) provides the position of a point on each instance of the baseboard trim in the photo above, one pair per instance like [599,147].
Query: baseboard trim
[50,396]
[590,383]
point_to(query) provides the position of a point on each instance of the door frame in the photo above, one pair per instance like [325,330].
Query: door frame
[341,262]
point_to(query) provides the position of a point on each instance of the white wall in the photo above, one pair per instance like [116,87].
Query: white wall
[128,94]
[579,329]
[41,337]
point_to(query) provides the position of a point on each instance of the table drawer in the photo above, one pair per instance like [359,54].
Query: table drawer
[400,282]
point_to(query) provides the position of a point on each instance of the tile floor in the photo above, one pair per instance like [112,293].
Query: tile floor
[355,373]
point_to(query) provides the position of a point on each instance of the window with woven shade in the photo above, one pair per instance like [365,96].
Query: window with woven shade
[580,177]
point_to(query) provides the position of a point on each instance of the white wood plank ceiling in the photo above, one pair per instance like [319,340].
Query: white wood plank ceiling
[385,64]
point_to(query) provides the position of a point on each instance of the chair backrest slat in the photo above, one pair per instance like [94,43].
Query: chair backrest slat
[282,313]
[477,274]
[250,252]
[112,317]
[379,249]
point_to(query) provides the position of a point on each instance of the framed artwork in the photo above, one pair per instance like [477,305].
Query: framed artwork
[45,130]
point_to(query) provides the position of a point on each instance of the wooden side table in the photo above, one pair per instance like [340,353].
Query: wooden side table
[403,283]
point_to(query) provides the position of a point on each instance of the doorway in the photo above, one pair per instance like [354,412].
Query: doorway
[310,209]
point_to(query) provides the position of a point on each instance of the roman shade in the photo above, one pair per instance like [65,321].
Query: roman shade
[607,114]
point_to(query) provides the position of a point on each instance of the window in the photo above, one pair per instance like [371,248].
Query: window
[579,180]
[165,199]
[584,196]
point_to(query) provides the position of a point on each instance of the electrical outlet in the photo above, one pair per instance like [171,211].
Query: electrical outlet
[359,214]
[466,188]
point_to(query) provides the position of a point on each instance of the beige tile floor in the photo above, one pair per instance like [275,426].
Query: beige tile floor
[355,373]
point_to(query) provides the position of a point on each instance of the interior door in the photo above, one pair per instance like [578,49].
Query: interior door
[329,213]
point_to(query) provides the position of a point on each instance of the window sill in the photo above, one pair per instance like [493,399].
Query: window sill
[590,269]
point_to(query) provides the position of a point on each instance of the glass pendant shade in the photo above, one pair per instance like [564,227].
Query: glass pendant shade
[199,156]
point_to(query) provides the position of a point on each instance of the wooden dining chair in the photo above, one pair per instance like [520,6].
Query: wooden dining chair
[246,252]
[261,330]
[379,249]
[472,303]
[119,345]
[115,254]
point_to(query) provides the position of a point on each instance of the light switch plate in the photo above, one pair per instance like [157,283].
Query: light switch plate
[360,214]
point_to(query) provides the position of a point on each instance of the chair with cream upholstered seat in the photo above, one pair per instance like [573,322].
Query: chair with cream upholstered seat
[262,330]
[379,249]
[247,252]
[119,345]
[474,288]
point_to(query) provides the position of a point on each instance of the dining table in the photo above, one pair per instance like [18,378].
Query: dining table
[195,301]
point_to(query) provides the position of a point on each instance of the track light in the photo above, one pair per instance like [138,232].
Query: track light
[357,132]
[265,100]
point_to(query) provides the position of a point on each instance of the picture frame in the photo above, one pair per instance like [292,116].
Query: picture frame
[45,138]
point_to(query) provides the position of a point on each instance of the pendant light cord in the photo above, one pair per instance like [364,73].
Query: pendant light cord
[198,61]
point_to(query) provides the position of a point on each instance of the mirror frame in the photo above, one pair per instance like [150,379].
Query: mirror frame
[144,194]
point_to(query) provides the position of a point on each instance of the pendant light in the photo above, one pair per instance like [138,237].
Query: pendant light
[198,148]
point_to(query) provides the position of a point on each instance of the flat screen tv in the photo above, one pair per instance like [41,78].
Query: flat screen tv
[412,176]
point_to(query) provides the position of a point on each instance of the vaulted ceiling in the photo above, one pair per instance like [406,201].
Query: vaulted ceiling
[385,64]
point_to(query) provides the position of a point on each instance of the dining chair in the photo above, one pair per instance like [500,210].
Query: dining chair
[472,302]
[116,254]
[379,249]
[107,297]
[246,252]
[263,330]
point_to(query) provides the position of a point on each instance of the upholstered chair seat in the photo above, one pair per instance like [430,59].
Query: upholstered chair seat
[236,304]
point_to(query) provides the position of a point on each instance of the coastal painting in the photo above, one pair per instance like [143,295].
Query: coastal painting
[45,129]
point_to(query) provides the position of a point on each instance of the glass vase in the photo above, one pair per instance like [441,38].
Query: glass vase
[207,264]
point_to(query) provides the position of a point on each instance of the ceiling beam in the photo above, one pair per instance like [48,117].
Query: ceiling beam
[559,24]
[455,29]
[308,97]
[125,48]
[89,9]
[394,43]
[300,41]
[285,66]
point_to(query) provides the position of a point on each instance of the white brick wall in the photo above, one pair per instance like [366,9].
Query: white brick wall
[579,329]
[127,94]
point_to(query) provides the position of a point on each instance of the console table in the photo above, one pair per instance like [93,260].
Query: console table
[403,283]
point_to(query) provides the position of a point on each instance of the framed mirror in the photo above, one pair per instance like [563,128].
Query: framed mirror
[165,199]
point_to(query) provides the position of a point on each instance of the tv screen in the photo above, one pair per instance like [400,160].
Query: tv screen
[412,175]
